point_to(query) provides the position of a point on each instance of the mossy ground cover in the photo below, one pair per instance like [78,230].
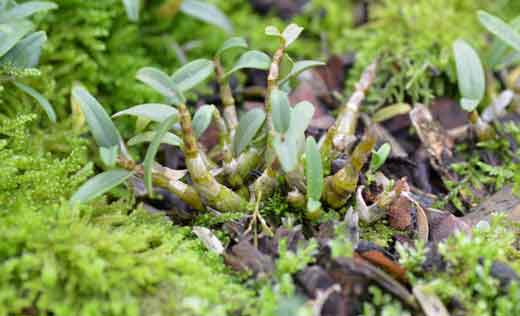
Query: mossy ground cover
[112,257]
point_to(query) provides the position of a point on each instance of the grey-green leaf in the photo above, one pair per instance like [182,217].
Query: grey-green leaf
[500,28]
[11,33]
[234,42]
[42,101]
[147,137]
[109,155]
[132,8]
[470,75]
[99,184]
[291,33]
[100,124]
[202,119]
[301,116]
[251,59]
[160,82]
[192,74]
[301,66]
[27,9]
[286,151]
[499,50]
[281,111]
[313,170]
[153,111]
[206,12]
[26,53]
[248,127]
[152,151]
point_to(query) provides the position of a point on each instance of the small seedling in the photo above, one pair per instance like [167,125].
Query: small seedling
[378,159]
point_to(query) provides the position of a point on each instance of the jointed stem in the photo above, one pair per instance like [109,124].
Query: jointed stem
[160,178]
[343,183]
[211,191]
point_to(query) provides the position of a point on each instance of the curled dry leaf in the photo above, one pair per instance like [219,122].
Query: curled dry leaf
[437,142]
[209,239]
[430,303]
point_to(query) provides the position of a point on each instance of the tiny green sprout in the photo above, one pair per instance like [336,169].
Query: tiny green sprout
[472,86]
[379,157]
[289,34]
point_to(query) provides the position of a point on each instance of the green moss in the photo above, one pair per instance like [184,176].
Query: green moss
[415,61]
[467,277]
[94,260]
[379,232]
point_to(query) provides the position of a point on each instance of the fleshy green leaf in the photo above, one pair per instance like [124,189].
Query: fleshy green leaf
[470,75]
[206,12]
[100,124]
[379,157]
[248,126]
[27,9]
[109,155]
[42,101]
[313,170]
[202,119]
[192,74]
[281,111]
[152,151]
[26,53]
[160,82]
[234,42]
[11,33]
[99,184]
[301,116]
[132,8]
[286,151]
[390,111]
[251,59]
[501,29]
[291,33]
[147,137]
[299,67]
[152,111]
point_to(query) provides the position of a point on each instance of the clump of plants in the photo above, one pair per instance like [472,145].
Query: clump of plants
[272,140]
[471,275]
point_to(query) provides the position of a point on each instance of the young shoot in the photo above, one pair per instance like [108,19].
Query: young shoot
[472,86]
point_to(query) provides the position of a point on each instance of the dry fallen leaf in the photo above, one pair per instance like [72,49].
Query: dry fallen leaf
[430,303]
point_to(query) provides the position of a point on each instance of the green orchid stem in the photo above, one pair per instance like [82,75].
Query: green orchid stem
[343,183]
[346,123]
[484,130]
[267,182]
[228,102]
[210,190]
[224,137]
[185,192]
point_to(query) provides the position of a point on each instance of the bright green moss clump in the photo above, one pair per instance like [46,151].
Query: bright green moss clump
[467,280]
[94,260]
